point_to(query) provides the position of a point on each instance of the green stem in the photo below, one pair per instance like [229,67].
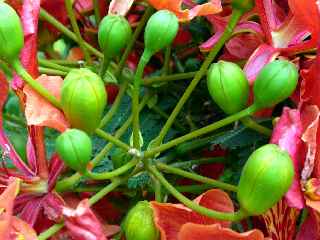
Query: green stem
[49,64]
[213,53]
[133,39]
[250,123]
[51,231]
[44,15]
[21,71]
[173,77]
[105,65]
[52,72]
[157,190]
[116,104]
[237,216]
[188,164]
[109,175]
[96,11]
[196,177]
[108,137]
[74,24]
[166,65]
[103,192]
[145,58]
[68,63]
[202,131]
[196,189]
[68,183]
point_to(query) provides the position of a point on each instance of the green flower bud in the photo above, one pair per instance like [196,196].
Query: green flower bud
[243,5]
[113,35]
[139,223]
[11,33]
[228,86]
[83,99]
[265,178]
[75,148]
[160,31]
[276,82]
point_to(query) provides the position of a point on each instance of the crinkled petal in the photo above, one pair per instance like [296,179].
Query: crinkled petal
[82,224]
[180,215]
[39,111]
[287,134]
[120,7]
[263,55]
[191,231]
[212,7]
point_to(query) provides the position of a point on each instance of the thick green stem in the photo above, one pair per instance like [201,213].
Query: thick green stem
[44,15]
[213,53]
[196,177]
[145,58]
[237,216]
[105,65]
[109,175]
[51,231]
[96,11]
[195,189]
[190,163]
[133,39]
[52,72]
[173,77]
[250,123]
[74,24]
[202,131]
[21,71]
[108,137]
[49,64]
[166,65]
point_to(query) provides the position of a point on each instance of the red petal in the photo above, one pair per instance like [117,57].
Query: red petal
[191,231]
[39,111]
[212,7]
[180,215]
[287,134]
[310,229]
[281,221]
[82,224]
[310,119]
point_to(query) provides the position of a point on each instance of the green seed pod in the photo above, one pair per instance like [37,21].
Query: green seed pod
[139,223]
[11,34]
[75,148]
[228,86]
[160,31]
[265,178]
[83,99]
[276,82]
[113,35]
[243,5]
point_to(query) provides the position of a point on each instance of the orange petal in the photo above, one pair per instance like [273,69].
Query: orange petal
[212,7]
[180,215]
[22,230]
[191,231]
[6,207]
[40,112]
[120,7]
